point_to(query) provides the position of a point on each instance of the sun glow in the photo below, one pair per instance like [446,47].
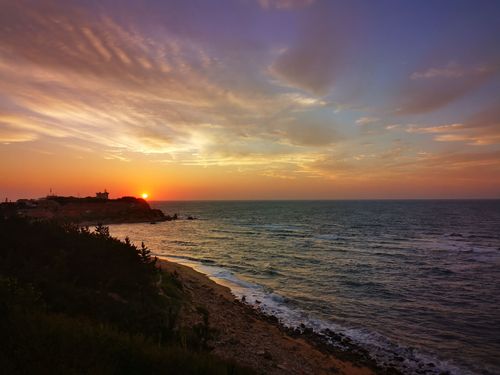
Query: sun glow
[144,195]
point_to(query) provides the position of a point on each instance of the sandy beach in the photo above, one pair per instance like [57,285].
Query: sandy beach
[242,334]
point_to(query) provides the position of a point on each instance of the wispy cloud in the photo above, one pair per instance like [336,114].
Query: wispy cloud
[480,129]
[452,70]
[175,85]
[434,129]
[367,120]
[393,126]
[93,79]
[314,60]
[285,4]
[435,88]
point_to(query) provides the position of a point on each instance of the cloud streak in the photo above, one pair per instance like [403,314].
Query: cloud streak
[435,88]
[104,83]
[284,4]
[315,59]
[260,99]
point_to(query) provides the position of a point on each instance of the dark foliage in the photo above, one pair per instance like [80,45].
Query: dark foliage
[83,272]
[82,301]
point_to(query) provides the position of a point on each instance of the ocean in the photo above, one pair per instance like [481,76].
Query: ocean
[415,282]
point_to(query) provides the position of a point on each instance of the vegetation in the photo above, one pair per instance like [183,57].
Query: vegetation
[79,301]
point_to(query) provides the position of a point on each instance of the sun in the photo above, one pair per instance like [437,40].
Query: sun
[145,195]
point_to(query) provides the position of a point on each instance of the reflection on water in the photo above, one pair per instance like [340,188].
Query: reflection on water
[412,279]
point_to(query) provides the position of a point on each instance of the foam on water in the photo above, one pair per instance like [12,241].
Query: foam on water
[381,349]
[413,282]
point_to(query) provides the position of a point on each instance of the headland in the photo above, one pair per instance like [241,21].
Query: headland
[80,301]
[85,211]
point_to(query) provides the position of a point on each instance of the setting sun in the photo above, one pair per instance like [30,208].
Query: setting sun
[328,171]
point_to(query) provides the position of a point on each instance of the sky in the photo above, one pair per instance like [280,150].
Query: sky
[250,99]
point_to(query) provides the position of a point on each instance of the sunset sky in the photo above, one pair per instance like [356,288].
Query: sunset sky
[250,99]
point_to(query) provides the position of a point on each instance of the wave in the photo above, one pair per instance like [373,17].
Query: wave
[180,259]
[183,243]
[234,231]
[381,349]
[328,237]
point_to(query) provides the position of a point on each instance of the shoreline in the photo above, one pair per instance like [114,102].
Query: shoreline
[253,339]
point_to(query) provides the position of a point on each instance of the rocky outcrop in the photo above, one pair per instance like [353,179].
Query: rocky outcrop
[91,210]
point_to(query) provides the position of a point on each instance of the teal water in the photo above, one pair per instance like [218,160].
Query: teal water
[417,283]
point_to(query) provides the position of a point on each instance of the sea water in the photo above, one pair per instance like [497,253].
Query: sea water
[416,283]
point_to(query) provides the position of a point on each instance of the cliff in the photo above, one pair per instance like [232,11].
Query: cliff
[87,210]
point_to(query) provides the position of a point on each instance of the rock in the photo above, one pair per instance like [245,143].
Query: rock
[308,331]
[273,319]
[268,355]
[117,297]
[265,354]
[334,370]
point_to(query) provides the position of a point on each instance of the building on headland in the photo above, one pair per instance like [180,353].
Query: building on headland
[104,195]
[51,194]
[97,209]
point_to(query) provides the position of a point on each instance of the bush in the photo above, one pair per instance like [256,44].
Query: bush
[77,301]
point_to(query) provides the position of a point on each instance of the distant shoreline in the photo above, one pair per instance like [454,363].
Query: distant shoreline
[327,200]
[85,211]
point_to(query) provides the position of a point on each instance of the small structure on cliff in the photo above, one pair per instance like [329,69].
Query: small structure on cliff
[104,195]
[99,209]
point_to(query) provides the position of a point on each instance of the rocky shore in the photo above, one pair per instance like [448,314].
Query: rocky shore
[241,333]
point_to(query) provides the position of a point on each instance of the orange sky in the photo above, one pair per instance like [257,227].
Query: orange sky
[275,99]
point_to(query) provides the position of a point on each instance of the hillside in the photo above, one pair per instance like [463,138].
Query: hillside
[75,301]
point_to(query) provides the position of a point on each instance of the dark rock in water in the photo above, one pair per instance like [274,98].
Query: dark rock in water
[295,332]
[191,218]
[333,335]
[274,319]
[308,331]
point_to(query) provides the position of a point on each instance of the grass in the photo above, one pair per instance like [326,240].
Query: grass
[76,301]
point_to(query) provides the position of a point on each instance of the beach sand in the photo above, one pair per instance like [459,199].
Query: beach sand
[244,335]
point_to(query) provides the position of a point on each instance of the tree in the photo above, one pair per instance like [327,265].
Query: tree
[102,230]
[145,255]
